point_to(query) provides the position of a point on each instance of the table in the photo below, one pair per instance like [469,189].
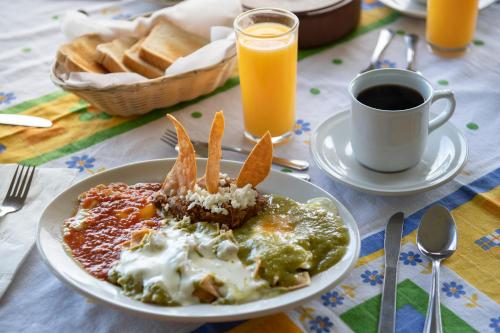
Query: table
[94,141]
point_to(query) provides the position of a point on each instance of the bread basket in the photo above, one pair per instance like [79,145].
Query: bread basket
[139,98]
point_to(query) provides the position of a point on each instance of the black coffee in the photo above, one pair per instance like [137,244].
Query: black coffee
[390,97]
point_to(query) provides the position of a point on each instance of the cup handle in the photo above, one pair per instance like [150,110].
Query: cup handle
[447,112]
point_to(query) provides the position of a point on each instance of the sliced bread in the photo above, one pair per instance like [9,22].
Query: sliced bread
[81,55]
[166,42]
[110,55]
[132,60]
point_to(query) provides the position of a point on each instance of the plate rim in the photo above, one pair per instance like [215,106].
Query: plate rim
[318,159]
[350,222]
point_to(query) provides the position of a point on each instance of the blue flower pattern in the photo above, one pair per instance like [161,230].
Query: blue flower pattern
[410,258]
[332,299]
[452,289]
[495,324]
[2,148]
[320,324]
[80,162]
[385,64]
[302,126]
[372,277]
[6,98]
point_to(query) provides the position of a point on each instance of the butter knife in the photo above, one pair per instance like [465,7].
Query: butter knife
[392,245]
[22,120]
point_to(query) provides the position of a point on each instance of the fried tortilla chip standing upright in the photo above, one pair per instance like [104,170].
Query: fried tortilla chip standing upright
[212,170]
[182,176]
[258,163]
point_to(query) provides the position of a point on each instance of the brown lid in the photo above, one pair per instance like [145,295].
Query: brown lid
[295,6]
[321,21]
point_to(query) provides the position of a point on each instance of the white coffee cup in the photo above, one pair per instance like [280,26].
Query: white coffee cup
[394,140]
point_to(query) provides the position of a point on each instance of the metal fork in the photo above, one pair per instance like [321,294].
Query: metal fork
[170,138]
[18,190]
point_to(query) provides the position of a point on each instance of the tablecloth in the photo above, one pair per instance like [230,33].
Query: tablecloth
[93,141]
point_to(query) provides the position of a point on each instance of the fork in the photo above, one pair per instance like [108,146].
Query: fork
[18,190]
[170,138]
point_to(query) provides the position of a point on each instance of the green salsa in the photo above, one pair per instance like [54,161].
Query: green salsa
[288,238]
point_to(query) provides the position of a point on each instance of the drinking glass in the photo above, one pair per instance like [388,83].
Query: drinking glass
[267,62]
[451,25]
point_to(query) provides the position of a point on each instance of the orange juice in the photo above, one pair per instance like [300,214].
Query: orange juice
[267,61]
[451,24]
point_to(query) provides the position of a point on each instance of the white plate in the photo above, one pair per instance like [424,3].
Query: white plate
[50,246]
[416,9]
[444,157]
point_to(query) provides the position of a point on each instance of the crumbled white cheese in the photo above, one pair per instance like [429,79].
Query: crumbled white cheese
[235,196]
[224,179]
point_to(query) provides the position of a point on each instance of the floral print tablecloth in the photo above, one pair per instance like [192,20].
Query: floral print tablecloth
[92,141]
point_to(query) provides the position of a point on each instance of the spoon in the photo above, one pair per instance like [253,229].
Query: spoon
[411,41]
[437,240]
[384,38]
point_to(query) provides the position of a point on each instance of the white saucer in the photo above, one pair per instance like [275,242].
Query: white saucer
[414,8]
[443,159]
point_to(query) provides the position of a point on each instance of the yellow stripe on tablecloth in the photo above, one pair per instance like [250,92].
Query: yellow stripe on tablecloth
[475,219]
[373,15]
[66,112]
[278,323]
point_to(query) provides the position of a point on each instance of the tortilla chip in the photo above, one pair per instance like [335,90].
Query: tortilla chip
[206,290]
[137,238]
[258,164]
[255,272]
[182,176]
[302,280]
[212,170]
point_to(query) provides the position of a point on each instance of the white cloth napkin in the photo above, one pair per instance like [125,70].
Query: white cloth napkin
[17,230]
[195,16]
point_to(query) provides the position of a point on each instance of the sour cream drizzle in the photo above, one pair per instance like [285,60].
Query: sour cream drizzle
[177,259]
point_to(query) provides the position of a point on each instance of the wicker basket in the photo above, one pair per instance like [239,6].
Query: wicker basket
[139,98]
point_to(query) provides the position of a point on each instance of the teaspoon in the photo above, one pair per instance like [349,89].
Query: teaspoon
[437,240]
[411,41]
[384,38]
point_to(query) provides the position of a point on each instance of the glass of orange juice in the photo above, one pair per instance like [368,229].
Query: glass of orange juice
[267,63]
[451,25]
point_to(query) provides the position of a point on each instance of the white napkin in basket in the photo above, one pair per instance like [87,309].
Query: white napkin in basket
[195,16]
[17,230]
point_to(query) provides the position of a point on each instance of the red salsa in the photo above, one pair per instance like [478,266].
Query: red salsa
[108,214]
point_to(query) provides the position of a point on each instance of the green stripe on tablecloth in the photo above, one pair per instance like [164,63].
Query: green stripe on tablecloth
[364,317]
[34,102]
[156,114]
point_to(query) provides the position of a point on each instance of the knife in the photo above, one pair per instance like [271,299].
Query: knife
[392,244]
[22,120]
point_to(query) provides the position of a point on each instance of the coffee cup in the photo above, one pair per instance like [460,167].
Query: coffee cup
[390,117]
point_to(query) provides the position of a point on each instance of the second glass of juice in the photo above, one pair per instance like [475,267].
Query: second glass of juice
[267,63]
[451,25]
